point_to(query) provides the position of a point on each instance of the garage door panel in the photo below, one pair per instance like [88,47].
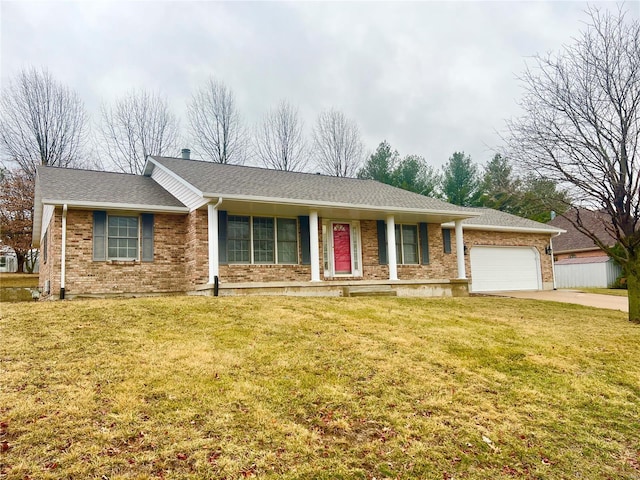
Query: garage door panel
[504,268]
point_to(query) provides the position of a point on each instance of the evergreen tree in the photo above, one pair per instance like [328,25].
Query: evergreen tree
[499,187]
[380,164]
[460,183]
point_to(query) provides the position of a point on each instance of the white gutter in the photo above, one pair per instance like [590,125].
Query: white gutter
[214,247]
[503,228]
[374,208]
[63,255]
[116,206]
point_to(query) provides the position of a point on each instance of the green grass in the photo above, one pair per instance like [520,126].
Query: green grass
[184,387]
[618,292]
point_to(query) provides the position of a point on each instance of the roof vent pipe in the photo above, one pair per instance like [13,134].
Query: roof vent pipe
[186,153]
[553,215]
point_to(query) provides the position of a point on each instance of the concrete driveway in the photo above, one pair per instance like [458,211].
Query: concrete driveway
[611,302]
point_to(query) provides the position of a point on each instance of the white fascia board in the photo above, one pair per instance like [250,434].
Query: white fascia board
[503,228]
[117,206]
[314,203]
[174,175]
[37,217]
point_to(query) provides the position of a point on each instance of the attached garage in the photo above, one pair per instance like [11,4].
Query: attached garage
[495,268]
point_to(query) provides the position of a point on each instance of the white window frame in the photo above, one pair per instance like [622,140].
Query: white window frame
[138,239]
[400,261]
[275,239]
[355,244]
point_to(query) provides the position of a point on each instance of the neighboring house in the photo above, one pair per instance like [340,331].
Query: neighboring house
[579,262]
[575,244]
[207,228]
[9,260]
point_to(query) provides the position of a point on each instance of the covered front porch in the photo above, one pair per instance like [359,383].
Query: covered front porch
[338,249]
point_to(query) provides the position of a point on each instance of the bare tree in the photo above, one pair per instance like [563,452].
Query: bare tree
[42,122]
[135,126]
[581,126]
[279,140]
[217,132]
[16,214]
[337,146]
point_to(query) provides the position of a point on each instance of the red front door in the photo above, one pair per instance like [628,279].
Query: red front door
[342,248]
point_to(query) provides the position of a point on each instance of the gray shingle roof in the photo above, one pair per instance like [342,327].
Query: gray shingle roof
[71,185]
[233,180]
[495,218]
[573,239]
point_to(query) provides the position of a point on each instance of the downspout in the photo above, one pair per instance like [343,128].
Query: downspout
[63,255]
[214,257]
[553,263]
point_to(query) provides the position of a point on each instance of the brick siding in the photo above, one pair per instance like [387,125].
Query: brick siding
[181,258]
[84,276]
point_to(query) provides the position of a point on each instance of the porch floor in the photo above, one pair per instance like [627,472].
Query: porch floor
[337,288]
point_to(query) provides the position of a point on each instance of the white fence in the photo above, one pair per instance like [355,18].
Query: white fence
[593,275]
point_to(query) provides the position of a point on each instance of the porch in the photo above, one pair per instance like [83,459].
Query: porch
[337,288]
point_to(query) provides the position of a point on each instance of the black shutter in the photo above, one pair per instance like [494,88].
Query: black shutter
[424,243]
[305,239]
[99,236]
[446,240]
[147,237]
[382,243]
[222,237]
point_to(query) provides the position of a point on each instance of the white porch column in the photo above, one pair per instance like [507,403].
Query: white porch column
[391,247]
[212,224]
[314,246]
[460,250]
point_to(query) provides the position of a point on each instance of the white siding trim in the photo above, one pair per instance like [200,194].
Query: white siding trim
[47,215]
[184,192]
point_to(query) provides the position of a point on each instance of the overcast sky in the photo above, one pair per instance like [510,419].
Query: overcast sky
[431,78]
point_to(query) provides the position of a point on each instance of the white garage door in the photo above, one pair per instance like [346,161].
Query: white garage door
[504,268]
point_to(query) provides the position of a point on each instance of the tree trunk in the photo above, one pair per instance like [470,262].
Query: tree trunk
[633,285]
[20,262]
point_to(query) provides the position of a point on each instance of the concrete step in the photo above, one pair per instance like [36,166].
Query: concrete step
[369,291]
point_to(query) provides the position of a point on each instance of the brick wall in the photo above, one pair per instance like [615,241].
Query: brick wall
[84,276]
[50,271]
[181,257]
[587,254]
[197,249]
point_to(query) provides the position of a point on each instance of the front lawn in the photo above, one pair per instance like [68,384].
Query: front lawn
[192,387]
